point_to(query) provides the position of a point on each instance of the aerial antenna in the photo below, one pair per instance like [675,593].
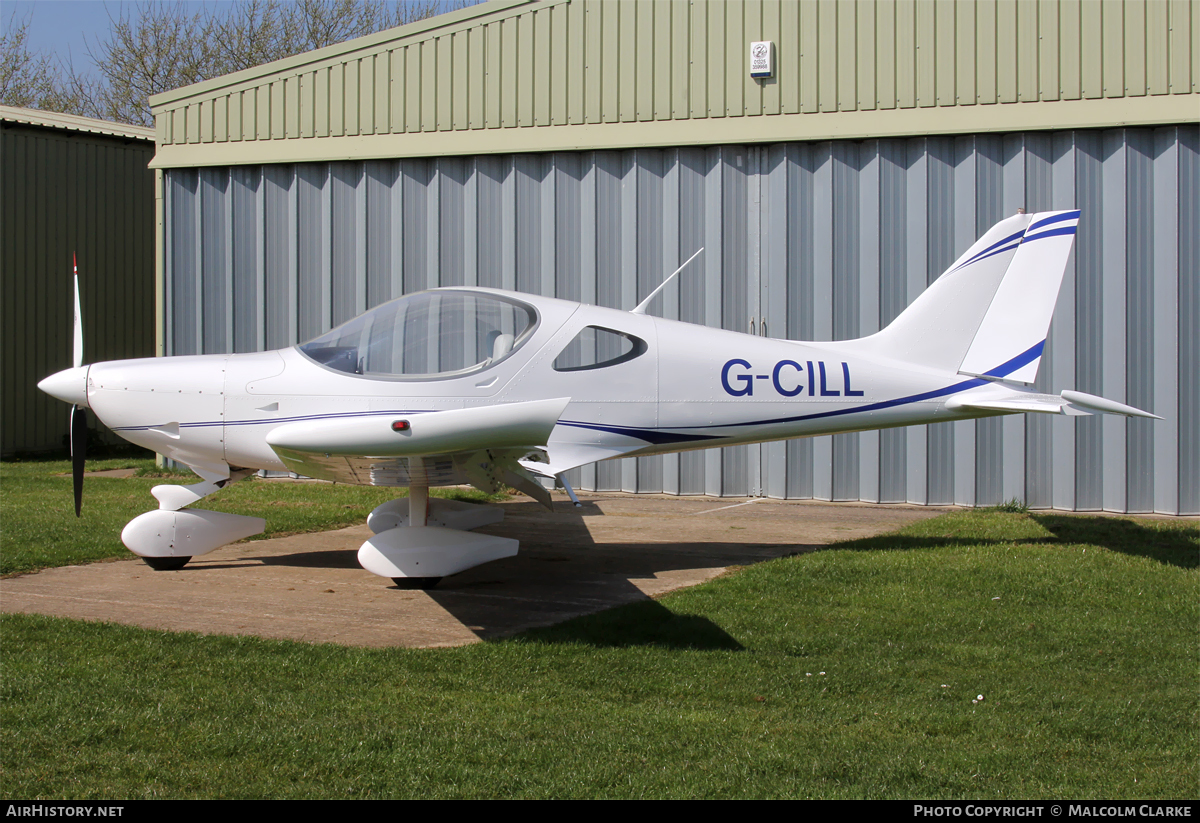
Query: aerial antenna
[641,307]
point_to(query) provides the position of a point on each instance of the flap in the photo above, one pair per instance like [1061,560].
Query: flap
[561,457]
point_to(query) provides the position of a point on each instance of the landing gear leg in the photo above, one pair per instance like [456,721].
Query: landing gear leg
[418,555]
[418,499]
[570,491]
[418,514]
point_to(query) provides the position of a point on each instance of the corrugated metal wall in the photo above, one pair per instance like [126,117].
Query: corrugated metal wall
[601,61]
[819,241]
[61,192]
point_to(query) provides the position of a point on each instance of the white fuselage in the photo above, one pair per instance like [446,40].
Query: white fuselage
[499,389]
[693,387]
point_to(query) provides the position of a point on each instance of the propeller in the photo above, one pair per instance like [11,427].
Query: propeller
[78,413]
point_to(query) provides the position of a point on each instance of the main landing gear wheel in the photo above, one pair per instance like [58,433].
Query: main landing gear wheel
[418,555]
[166,564]
[416,582]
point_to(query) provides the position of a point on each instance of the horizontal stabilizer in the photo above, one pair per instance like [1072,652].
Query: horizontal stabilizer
[1099,404]
[1073,403]
[1015,402]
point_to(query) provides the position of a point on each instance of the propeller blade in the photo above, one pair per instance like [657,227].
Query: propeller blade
[78,453]
[78,348]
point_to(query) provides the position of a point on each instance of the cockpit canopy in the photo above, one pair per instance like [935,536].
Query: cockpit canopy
[426,335]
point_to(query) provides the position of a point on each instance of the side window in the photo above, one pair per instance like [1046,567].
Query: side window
[597,348]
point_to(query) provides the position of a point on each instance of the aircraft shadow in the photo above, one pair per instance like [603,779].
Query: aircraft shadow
[646,623]
[562,573]
[324,559]
[565,583]
[563,577]
[1170,546]
[1176,545]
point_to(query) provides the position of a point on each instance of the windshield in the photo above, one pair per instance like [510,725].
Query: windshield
[428,334]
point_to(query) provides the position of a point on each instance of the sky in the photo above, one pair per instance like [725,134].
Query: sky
[67,28]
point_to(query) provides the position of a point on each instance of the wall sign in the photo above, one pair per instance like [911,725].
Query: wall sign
[762,59]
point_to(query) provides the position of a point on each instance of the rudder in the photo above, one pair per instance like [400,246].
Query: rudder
[1010,340]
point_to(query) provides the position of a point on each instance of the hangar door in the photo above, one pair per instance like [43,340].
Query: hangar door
[817,241]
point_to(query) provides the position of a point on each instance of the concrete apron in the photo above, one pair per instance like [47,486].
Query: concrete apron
[616,549]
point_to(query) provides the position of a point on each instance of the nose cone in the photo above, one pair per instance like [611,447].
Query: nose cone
[69,385]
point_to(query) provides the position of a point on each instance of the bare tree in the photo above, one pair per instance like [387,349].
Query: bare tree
[259,31]
[30,80]
[160,47]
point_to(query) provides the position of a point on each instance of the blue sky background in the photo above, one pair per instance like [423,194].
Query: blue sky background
[67,28]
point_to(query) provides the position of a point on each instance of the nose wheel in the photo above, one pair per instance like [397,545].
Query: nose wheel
[416,582]
[166,564]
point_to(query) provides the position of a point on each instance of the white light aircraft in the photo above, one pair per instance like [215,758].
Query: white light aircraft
[492,388]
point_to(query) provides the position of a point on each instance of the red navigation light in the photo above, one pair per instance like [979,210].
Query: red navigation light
[399,425]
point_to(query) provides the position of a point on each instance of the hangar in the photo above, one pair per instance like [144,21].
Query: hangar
[70,186]
[584,149]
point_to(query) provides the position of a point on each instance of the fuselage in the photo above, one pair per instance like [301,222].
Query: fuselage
[499,389]
[666,386]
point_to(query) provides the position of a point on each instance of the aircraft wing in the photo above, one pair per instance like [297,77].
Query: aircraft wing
[480,446]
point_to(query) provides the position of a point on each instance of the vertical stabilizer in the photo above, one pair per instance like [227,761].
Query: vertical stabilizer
[1011,337]
[937,329]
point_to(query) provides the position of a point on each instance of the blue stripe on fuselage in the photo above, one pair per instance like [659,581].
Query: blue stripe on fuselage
[658,436]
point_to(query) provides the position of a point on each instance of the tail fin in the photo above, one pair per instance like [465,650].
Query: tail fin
[937,328]
[988,314]
[1012,335]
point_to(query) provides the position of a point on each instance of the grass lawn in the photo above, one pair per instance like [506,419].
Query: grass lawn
[40,529]
[850,672]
